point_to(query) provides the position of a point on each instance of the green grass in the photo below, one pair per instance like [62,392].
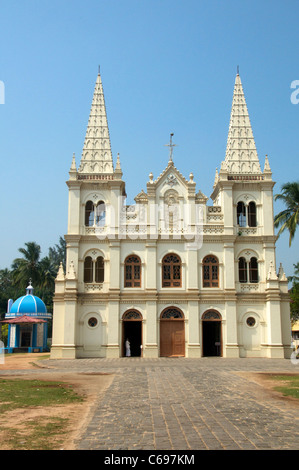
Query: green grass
[18,393]
[290,386]
[43,432]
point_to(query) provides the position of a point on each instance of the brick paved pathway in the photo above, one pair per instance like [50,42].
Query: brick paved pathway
[188,404]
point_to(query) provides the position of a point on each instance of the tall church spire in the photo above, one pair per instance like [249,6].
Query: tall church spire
[241,154]
[96,154]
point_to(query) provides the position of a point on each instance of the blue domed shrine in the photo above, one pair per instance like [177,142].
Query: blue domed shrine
[27,323]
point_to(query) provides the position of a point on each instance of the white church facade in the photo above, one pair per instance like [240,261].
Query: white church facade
[172,274]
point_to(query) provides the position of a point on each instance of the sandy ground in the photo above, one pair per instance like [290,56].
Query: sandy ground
[77,413]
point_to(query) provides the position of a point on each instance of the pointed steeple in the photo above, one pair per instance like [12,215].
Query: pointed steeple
[241,155]
[96,154]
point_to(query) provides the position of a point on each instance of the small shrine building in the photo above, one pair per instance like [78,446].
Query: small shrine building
[27,320]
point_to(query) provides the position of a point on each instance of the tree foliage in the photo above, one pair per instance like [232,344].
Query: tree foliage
[41,271]
[288,219]
[294,294]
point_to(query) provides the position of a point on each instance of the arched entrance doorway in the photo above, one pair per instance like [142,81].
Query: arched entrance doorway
[132,330]
[172,333]
[211,333]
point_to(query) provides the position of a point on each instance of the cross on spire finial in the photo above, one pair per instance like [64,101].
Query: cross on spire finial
[29,289]
[170,145]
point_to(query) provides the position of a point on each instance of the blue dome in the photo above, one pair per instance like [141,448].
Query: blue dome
[28,304]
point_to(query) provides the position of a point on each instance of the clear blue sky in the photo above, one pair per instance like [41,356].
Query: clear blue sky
[167,66]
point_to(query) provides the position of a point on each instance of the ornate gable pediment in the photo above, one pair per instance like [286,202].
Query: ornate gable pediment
[141,197]
[170,178]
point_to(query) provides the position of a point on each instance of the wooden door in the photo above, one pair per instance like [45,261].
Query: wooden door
[172,338]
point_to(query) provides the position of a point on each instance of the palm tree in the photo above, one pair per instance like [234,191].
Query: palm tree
[28,267]
[295,278]
[7,290]
[49,272]
[294,294]
[57,254]
[288,219]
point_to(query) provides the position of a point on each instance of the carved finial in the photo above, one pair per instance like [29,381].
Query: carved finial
[281,273]
[272,276]
[73,169]
[60,273]
[216,178]
[267,168]
[73,166]
[71,273]
[118,167]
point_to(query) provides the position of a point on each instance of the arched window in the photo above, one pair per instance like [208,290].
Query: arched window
[210,271]
[88,269]
[171,271]
[99,269]
[132,315]
[211,315]
[132,271]
[241,214]
[242,270]
[172,313]
[89,214]
[95,215]
[246,215]
[253,270]
[100,214]
[252,214]
[248,271]
[94,270]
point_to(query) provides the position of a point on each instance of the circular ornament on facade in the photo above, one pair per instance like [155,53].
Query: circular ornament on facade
[92,322]
[251,322]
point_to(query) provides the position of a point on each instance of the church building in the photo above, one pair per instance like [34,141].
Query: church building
[171,275]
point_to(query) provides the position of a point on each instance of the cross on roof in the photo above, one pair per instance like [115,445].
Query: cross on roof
[170,145]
